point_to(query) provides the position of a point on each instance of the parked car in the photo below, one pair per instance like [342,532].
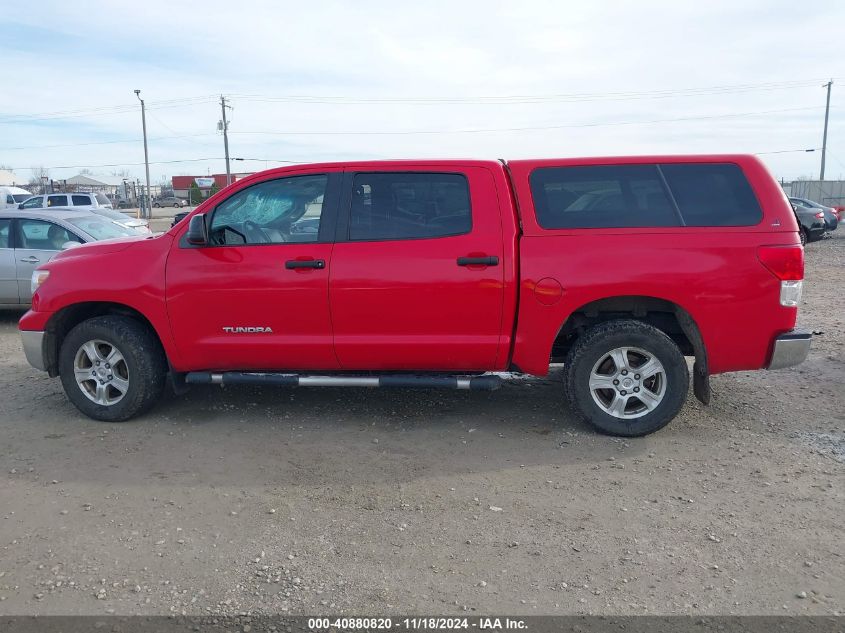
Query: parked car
[177,218]
[58,201]
[810,222]
[831,214]
[29,239]
[169,201]
[87,200]
[125,204]
[440,274]
[11,197]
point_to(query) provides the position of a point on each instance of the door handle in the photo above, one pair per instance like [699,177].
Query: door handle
[293,264]
[478,261]
[32,259]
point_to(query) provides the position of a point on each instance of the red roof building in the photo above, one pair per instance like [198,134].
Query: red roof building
[182,184]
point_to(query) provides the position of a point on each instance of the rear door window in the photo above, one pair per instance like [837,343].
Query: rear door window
[57,201]
[601,196]
[409,205]
[712,194]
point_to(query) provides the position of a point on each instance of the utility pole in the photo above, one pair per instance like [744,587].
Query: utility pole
[147,212]
[223,107]
[829,84]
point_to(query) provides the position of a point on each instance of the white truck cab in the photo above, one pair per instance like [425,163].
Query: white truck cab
[11,197]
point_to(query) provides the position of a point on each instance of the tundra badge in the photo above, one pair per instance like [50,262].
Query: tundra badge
[239,329]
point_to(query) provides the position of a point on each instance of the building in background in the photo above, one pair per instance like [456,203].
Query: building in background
[205,185]
[10,179]
[109,185]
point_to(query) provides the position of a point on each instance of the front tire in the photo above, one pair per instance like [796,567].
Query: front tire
[626,378]
[803,235]
[112,368]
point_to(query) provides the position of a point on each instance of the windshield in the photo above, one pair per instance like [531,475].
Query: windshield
[101,228]
[103,200]
[20,197]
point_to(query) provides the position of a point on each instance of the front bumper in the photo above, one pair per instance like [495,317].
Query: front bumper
[791,348]
[33,342]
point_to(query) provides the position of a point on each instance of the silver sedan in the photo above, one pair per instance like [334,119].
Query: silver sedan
[30,238]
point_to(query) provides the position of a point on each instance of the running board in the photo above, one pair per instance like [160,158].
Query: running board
[475,383]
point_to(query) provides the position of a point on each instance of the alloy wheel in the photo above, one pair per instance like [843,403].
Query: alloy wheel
[628,382]
[101,372]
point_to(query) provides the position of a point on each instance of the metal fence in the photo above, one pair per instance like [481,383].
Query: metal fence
[826,192]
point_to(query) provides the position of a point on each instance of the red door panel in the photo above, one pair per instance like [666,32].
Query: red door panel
[209,289]
[406,304]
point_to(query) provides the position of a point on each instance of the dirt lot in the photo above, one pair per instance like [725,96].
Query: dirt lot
[329,501]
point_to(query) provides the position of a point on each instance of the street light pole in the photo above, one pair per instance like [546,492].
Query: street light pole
[829,84]
[148,211]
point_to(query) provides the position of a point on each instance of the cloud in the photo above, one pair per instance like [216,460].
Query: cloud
[369,57]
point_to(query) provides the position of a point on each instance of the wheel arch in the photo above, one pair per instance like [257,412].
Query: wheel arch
[65,319]
[668,316]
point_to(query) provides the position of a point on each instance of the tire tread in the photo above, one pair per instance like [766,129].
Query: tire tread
[144,354]
[626,329]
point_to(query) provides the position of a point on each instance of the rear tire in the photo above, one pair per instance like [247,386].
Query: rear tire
[626,378]
[112,368]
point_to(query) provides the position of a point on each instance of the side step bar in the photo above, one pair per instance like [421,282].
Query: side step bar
[475,383]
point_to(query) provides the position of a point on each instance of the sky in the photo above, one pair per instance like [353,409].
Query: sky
[326,80]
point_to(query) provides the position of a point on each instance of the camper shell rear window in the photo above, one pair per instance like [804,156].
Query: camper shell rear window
[643,195]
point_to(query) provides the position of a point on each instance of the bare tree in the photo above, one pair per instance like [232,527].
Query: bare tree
[38,173]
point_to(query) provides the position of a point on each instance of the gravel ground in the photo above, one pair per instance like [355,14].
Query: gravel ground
[397,502]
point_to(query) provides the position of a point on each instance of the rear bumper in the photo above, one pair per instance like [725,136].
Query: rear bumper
[791,348]
[33,348]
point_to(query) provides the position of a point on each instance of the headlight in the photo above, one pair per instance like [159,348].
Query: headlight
[38,278]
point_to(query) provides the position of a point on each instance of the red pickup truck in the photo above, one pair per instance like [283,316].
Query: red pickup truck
[440,274]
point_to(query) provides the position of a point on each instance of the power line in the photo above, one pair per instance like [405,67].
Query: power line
[114,142]
[152,162]
[471,100]
[506,99]
[402,132]
[519,129]
[101,111]
[789,151]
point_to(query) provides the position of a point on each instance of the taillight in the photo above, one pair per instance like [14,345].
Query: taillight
[787,264]
[820,215]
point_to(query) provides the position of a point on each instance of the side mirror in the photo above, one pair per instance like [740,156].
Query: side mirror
[197,234]
[70,244]
[20,206]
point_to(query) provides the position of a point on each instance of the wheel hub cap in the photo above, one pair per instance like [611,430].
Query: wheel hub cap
[628,382]
[101,372]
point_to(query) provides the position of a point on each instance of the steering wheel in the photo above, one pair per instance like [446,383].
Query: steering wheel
[254,233]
